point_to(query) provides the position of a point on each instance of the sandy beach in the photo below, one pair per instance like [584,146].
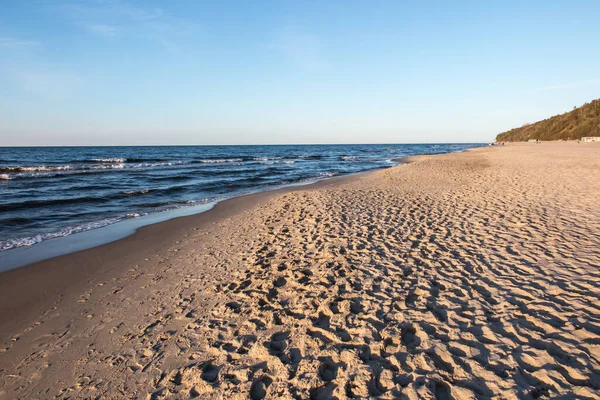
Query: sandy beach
[461,276]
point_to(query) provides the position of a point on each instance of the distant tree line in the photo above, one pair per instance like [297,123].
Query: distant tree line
[581,121]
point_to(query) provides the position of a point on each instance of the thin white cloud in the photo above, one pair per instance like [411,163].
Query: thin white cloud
[103,30]
[7,42]
[107,9]
[116,17]
[570,85]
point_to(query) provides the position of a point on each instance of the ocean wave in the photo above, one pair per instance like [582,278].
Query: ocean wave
[56,168]
[219,160]
[5,177]
[160,191]
[159,164]
[24,205]
[132,192]
[36,168]
[109,160]
[266,158]
[43,171]
[311,157]
[276,162]
[113,160]
[171,178]
[157,207]
[31,240]
[326,174]
[146,159]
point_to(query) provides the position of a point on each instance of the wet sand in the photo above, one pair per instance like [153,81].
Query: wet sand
[471,275]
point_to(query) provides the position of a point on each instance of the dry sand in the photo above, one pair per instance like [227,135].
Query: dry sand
[472,275]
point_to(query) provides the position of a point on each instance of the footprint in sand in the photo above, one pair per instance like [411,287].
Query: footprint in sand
[259,388]
[210,372]
[278,344]
[328,370]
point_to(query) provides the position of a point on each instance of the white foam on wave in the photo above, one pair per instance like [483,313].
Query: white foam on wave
[49,171]
[160,164]
[38,168]
[276,162]
[100,166]
[266,158]
[142,191]
[5,177]
[109,160]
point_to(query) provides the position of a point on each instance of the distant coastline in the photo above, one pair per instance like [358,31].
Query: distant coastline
[573,125]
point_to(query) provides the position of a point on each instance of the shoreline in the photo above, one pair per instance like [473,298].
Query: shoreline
[13,258]
[25,246]
[31,286]
[24,256]
[44,251]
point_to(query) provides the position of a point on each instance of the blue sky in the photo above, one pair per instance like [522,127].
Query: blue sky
[115,72]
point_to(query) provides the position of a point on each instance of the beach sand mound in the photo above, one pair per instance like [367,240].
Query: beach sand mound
[462,276]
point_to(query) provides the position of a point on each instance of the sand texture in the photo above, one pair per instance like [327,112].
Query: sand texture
[461,276]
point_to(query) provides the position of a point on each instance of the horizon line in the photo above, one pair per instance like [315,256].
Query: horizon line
[223,145]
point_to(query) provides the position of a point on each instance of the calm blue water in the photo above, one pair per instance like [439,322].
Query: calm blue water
[52,192]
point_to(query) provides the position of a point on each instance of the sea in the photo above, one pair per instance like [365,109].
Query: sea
[52,192]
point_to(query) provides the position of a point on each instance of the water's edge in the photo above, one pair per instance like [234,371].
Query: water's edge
[76,242]
[47,249]
[50,193]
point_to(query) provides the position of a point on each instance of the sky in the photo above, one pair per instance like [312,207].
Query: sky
[126,72]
